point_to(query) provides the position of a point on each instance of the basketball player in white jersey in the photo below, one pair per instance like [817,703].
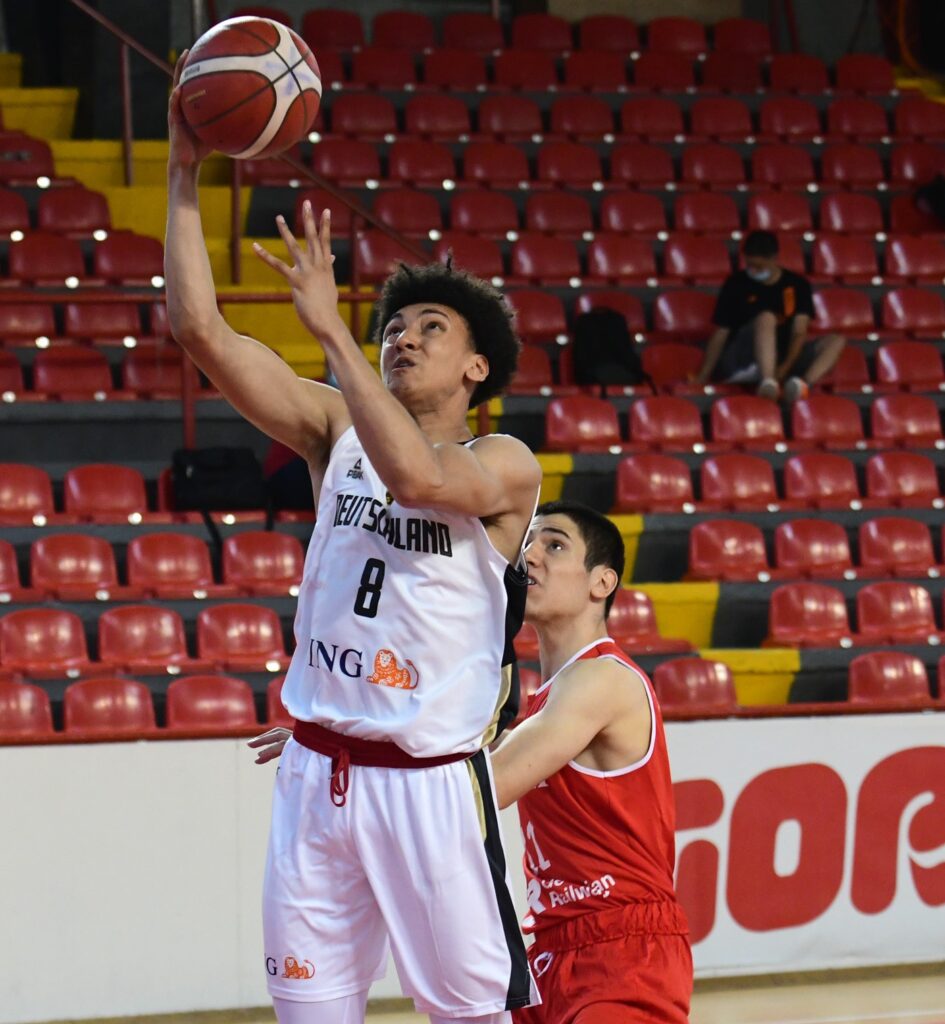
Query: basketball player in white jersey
[384,824]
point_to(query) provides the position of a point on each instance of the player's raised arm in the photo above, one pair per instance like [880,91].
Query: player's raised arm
[302,414]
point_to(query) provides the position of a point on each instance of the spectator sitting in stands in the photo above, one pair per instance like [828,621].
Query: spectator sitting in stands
[761,318]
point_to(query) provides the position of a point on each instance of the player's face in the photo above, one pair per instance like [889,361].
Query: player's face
[427,353]
[559,582]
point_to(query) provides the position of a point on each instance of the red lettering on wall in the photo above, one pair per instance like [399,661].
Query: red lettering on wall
[814,795]
[884,796]
[699,804]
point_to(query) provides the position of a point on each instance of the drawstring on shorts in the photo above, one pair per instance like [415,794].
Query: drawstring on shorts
[340,777]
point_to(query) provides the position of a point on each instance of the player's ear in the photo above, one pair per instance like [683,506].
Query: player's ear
[478,368]
[605,582]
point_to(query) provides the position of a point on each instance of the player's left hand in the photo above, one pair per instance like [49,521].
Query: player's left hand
[311,275]
[273,743]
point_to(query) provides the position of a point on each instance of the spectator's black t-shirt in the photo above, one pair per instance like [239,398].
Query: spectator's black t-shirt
[742,299]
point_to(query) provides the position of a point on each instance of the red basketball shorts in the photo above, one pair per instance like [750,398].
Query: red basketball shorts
[629,965]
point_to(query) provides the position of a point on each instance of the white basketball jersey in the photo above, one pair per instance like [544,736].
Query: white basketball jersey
[401,626]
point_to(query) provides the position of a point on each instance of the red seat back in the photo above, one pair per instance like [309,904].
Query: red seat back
[112,707]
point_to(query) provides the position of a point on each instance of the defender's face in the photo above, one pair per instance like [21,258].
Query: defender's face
[559,583]
[426,350]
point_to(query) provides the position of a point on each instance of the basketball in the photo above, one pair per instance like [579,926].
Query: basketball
[250,88]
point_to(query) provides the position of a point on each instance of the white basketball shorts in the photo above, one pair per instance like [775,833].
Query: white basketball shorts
[414,856]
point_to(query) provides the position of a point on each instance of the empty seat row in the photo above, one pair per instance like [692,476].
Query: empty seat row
[732,550]
[110,320]
[654,482]
[512,117]
[47,643]
[639,165]
[49,259]
[124,708]
[82,567]
[578,423]
[74,211]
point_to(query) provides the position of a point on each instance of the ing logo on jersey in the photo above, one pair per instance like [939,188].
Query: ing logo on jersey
[387,671]
[298,971]
[356,472]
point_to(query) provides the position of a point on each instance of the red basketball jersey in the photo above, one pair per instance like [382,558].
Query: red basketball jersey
[596,840]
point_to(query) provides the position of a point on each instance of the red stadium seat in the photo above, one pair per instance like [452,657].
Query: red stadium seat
[455,69]
[321,200]
[117,323]
[25,712]
[569,164]
[720,72]
[276,713]
[849,259]
[683,315]
[641,165]
[26,496]
[671,364]
[495,164]
[533,70]
[920,260]
[127,258]
[746,421]
[153,372]
[887,677]
[210,705]
[813,548]
[916,163]
[539,315]
[479,32]
[651,482]
[819,480]
[437,116]
[378,254]
[145,638]
[726,119]
[666,423]
[409,211]
[364,115]
[738,483]
[488,213]
[241,637]
[510,118]
[632,624]
[676,35]
[11,377]
[896,546]
[261,562]
[608,32]
[779,211]
[559,213]
[709,212]
[910,365]
[798,72]
[696,259]
[110,708]
[24,160]
[403,30]
[808,615]
[827,421]
[346,162]
[782,166]
[850,372]
[917,117]
[541,32]
[42,257]
[916,311]
[910,421]
[652,118]
[621,259]
[106,493]
[903,480]
[633,213]
[894,612]
[790,119]
[416,162]
[479,256]
[73,373]
[159,324]
[742,37]
[712,165]
[14,213]
[378,67]
[629,306]
[727,550]
[850,213]
[10,589]
[330,28]
[76,567]
[173,566]
[669,72]
[695,685]
[537,257]
[533,372]
[844,310]
[604,70]
[74,211]
[865,72]
[582,117]
[43,643]
[858,119]
[850,165]
[332,70]
[581,424]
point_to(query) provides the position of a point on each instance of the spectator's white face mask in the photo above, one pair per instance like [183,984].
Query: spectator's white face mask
[758,275]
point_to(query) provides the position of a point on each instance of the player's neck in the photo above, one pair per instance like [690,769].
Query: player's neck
[441,426]
[560,640]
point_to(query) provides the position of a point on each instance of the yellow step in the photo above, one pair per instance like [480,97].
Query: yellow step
[143,208]
[760,676]
[11,70]
[98,163]
[42,113]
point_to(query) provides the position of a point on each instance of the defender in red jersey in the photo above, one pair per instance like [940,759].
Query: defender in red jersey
[590,772]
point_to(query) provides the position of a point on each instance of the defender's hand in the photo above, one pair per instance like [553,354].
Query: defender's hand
[186,149]
[273,743]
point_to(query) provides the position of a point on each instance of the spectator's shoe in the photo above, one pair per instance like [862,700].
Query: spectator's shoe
[795,388]
[768,388]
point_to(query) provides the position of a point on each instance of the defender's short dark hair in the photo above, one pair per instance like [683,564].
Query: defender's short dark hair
[602,540]
[763,244]
[482,306]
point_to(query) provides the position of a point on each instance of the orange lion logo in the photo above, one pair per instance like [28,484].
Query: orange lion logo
[298,971]
[388,673]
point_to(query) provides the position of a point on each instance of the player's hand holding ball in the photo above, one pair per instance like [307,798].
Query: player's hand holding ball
[186,149]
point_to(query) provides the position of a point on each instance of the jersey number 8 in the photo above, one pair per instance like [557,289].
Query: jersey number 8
[369,593]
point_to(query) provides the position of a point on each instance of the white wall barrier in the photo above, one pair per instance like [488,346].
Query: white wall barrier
[130,874]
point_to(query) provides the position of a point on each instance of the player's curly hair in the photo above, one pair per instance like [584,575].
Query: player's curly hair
[489,316]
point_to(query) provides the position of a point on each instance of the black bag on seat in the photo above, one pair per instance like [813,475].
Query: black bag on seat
[217,479]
